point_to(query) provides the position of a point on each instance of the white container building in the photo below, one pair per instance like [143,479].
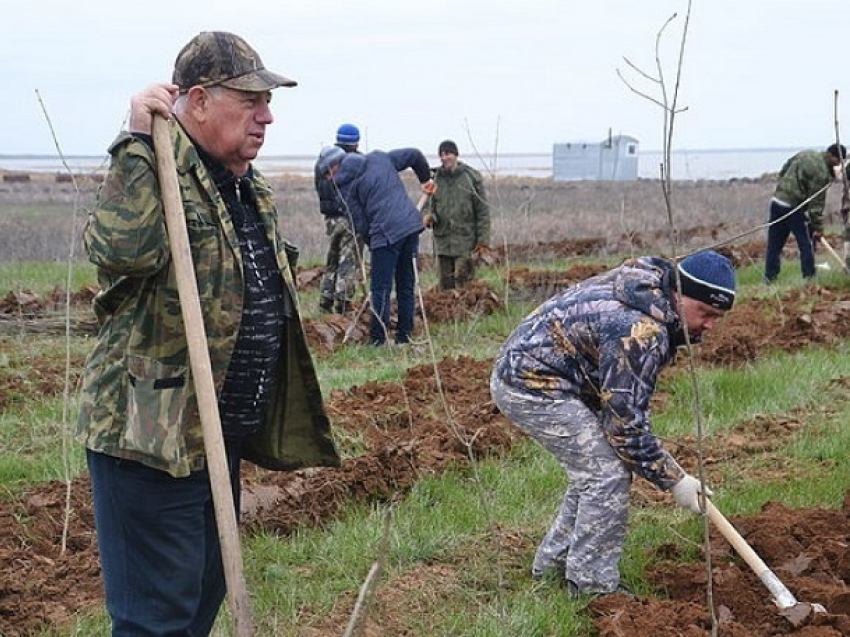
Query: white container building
[614,159]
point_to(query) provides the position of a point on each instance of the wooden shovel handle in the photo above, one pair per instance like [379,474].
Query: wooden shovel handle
[202,377]
[735,539]
[782,597]
[834,254]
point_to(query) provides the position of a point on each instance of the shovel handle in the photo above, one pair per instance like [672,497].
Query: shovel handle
[782,597]
[199,359]
[834,254]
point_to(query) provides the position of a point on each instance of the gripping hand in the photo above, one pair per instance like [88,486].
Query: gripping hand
[686,493]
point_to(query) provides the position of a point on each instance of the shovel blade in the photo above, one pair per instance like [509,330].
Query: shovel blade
[801,613]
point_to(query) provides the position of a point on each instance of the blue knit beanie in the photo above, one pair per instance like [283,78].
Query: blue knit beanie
[708,277]
[347,134]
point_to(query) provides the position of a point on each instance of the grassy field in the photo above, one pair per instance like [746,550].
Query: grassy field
[456,557]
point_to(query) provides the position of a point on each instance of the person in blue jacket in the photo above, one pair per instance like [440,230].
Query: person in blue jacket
[577,375]
[389,222]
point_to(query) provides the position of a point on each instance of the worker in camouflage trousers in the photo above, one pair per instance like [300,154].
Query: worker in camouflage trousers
[577,375]
[345,250]
[805,175]
[459,217]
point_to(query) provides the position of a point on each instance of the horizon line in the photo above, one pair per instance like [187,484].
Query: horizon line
[483,154]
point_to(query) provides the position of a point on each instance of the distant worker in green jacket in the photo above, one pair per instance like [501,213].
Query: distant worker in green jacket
[806,174]
[459,217]
[158,540]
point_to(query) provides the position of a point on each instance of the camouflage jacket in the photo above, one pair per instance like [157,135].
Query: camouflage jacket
[138,401]
[460,211]
[605,341]
[800,177]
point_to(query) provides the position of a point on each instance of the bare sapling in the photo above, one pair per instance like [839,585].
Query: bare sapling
[668,102]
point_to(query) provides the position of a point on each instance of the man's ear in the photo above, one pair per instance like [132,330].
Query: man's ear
[197,102]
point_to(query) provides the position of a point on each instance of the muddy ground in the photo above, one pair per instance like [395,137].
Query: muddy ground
[411,432]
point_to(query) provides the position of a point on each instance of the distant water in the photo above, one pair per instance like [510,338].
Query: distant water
[713,164]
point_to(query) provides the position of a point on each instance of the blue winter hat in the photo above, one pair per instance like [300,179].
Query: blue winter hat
[708,277]
[347,134]
[329,156]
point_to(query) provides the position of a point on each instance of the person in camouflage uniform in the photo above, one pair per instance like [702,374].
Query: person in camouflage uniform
[345,250]
[159,546]
[805,175]
[459,217]
[577,375]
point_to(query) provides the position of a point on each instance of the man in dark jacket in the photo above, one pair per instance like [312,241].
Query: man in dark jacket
[805,175]
[578,374]
[345,252]
[459,217]
[390,223]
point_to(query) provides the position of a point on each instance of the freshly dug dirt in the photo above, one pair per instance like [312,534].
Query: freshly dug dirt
[809,552]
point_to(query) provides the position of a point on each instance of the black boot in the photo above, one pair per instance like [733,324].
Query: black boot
[326,305]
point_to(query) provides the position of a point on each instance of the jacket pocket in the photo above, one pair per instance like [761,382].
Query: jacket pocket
[157,395]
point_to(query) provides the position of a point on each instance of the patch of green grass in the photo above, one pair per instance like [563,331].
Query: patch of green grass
[36,423]
[751,278]
[41,277]
[775,384]
[33,443]
[440,546]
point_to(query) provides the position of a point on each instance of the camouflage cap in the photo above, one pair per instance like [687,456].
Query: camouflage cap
[218,58]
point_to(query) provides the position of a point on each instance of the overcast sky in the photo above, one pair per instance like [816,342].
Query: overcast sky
[503,76]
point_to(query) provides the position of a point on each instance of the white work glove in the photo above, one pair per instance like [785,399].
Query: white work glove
[686,493]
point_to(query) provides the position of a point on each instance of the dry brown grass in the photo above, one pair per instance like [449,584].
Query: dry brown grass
[37,220]
[528,210]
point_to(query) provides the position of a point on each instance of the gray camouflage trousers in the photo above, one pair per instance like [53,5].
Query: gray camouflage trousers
[585,541]
[342,266]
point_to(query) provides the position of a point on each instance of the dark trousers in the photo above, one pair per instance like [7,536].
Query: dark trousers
[393,263]
[159,547]
[777,235]
[455,272]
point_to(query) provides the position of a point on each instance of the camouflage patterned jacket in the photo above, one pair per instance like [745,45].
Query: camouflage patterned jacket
[460,211]
[138,401]
[802,176]
[605,341]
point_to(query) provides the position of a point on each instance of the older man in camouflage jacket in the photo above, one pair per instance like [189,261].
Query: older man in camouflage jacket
[158,540]
[805,175]
[578,374]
